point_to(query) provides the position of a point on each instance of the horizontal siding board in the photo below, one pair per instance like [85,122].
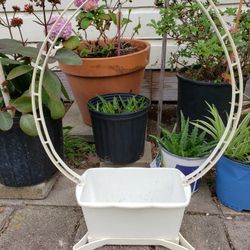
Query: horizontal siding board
[143,9]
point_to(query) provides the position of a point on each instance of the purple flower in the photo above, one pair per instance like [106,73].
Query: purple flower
[66,32]
[88,6]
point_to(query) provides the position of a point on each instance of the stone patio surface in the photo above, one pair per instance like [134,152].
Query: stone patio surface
[57,223]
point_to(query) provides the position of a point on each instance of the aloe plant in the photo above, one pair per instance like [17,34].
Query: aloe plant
[239,148]
[118,105]
[186,142]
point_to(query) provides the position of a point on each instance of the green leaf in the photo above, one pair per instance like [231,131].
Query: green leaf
[18,71]
[7,61]
[72,43]
[23,104]
[66,56]
[6,121]
[27,124]
[56,108]
[85,23]
[28,51]
[9,44]
[64,92]
[52,85]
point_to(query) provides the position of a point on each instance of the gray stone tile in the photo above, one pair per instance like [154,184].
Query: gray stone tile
[42,228]
[202,202]
[63,194]
[73,119]
[238,229]
[125,248]
[81,231]
[205,232]
[5,213]
[39,191]
[230,212]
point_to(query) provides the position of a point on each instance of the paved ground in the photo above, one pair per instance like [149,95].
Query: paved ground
[57,223]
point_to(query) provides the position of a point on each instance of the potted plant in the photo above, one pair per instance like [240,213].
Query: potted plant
[185,149]
[204,75]
[110,64]
[233,169]
[119,124]
[23,161]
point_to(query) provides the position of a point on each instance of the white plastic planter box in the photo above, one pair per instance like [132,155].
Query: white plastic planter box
[185,164]
[133,203]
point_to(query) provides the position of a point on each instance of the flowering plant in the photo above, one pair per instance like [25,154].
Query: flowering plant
[196,39]
[16,68]
[100,17]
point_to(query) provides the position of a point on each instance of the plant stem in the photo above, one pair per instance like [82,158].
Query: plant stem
[45,25]
[4,89]
[7,20]
[21,35]
[119,30]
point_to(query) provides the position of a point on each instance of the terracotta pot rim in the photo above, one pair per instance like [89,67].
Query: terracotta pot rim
[122,56]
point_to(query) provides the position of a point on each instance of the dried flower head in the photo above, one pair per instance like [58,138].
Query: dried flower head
[88,6]
[66,32]
[28,8]
[16,8]
[16,22]
[2,1]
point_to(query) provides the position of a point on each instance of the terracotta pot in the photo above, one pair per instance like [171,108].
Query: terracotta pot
[97,76]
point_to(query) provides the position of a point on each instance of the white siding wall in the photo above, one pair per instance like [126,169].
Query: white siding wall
[141,9]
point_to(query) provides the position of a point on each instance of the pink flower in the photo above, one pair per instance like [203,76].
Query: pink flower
[88,6]
[65,33]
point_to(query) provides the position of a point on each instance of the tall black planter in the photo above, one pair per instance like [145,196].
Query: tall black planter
[193,95]
[23,161]
[119,138]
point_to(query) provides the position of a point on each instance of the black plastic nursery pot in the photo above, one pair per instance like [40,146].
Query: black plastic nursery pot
[193,95]
[119,138]
[23,160]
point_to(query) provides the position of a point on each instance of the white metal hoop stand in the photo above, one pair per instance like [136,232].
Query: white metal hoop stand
[233,120]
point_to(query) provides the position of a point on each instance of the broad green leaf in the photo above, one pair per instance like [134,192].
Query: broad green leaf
[85,23]
[28,51]
[64,92]
[27,124]
[56,108]
[7,61]
[72,43]
[6,121]
[18,71]
[66,56]
[52,85]
[23,104]
[9,44]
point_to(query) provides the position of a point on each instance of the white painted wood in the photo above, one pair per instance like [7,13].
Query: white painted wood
[144,10]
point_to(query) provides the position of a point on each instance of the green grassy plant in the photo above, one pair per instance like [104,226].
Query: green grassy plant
[118,105]
[75,147]
[185,143]
[239,148]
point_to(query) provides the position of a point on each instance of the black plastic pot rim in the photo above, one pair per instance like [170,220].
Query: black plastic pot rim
[216,85]
[123,116]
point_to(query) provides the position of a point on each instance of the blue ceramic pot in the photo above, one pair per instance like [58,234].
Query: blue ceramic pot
[233,184]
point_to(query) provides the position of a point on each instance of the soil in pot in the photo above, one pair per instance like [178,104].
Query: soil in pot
[119,138]
[97,76]
[23,161]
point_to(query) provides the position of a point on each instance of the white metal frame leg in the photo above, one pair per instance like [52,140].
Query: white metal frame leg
[83,244]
